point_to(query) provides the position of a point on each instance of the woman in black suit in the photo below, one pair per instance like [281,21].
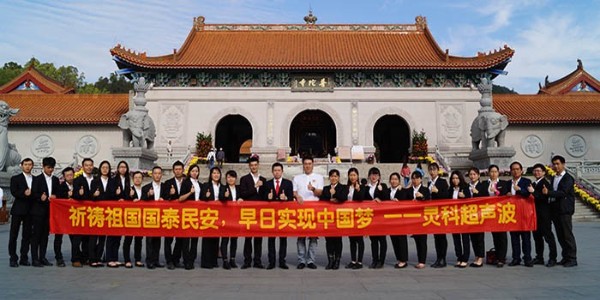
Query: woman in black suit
[417,192]
[335,192]
[399,242]
[210,245]
[230,192]
[191,190]
[118,188]
[477,189]
[135,195]
[374,191]
[462,242]
[99,192]
[356,192]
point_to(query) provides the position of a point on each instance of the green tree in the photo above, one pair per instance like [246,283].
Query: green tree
[9,71]
[498,89]
[114,84]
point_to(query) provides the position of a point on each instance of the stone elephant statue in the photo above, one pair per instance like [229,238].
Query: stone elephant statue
[489,129]
[138,129]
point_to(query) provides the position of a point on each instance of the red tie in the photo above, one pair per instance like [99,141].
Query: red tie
[277,187]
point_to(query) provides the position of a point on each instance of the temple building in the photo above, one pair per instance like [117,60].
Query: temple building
[320,89]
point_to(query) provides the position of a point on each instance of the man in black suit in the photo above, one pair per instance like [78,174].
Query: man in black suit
[519,186]
[438,188]
[154,191]
[563,193]
[417,192]
[544,222]
[20,188]
[83,187]
[45,188]
[250,190]
[277,189]
[173,255]
[65,191]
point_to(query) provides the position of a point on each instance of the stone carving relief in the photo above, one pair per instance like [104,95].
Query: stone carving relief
[576,145]
[451,123]
[532,146]
[87,146]
[42,146]
[172,123]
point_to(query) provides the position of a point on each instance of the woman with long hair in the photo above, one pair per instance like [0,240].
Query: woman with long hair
[210,245]
[356,192]
[118,187]
[335,192]
[99,192]
[462,241]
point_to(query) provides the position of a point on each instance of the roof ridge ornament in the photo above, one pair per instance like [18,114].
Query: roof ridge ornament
[310,19]
[199,23]
[579,64]
[421,22]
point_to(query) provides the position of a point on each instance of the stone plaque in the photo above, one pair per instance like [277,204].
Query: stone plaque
[312,83]
[42,146]
[532,146]
[451,123]
[172,122]
[87,146]
[576,145]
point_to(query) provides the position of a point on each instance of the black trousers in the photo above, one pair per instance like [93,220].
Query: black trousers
[189,250]
[96,247]
[271,252]
[257,250]
[333,246]
[378,247]
[421,244]
[478,242]
[39,240]
[209,253]
[58,240]
[77,248]
[112,248]
[462,246]
[173,255]
[400,245]
[152,250]
[564,233]
[501,245]
[357,248]
[17,222]
[232,243]
[544,232]
[521,240]
[137,248]
[441,245]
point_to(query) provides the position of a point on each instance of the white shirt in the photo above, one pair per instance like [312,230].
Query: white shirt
[415,191]
[122,182]
[104,182]
[432,183]
[70,186]
[557,179]
[28,179]
[48,183]
[512,186]
[138,191]
[372,187]
[455,192]
[301,185]
[216,190]
[89,180]
[491,186]
[472,187]
[156,188]
[178,184]
[1,194]
[350,192]
[393,192]
[196,188]
[233,193]
[256,179]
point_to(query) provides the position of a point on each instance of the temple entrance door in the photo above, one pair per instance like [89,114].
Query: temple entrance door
[391,137]
[233,131]
[313,132]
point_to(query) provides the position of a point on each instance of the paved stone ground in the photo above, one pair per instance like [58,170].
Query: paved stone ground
[450,283]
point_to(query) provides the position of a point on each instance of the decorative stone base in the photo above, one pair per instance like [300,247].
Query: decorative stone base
[138,158]
[5,185]
[268,154]
[500,156]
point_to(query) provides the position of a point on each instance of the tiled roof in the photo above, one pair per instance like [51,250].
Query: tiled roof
[574,108]
[44,83]
[566,84]
[62,109]
[311,47]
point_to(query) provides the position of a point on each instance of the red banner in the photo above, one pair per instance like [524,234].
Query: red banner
[257,218]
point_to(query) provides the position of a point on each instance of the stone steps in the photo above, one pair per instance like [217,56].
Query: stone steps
[583,212]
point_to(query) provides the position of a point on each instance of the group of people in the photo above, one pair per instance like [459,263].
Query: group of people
[554,199]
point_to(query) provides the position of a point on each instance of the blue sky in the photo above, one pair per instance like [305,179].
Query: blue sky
[548,35]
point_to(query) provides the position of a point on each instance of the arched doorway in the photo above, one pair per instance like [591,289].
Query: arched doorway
[391,137]
[313,132]
[233,131]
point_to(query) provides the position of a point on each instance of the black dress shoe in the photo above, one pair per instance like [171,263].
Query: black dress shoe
[300,266]
[206,267]
[357,266]
[373,265]
[474,265]
[246,266]
[311,266]
[151,266]
[60,263]
[170,266]
[45,262]
[24,263]
[570,263]
[283,266]
[500,264]
[529,264]
[551,263]
[440,263]
[514,262]
[538,261]
[271,266]
[179,265]
[562,262]
[232,264]
[159,265]
[379,265]
[189,266]
[14,264]
[226,265]
[258,266]
[350,265]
